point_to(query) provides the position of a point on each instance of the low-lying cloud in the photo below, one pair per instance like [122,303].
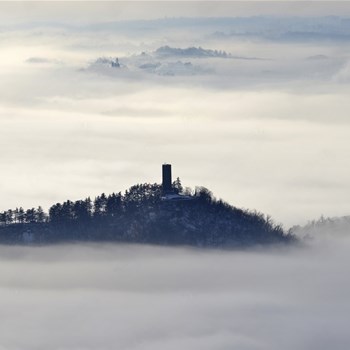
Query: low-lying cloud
[41,60]
[143,297]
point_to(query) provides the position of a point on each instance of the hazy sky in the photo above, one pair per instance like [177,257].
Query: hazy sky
[265,128]
[102,11]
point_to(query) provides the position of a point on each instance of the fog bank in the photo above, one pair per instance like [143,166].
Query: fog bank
[143,297]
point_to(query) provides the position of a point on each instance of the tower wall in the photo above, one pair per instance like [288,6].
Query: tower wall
[167,183]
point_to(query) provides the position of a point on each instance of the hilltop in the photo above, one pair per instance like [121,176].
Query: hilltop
[143,215]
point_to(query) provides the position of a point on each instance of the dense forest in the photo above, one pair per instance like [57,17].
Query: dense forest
[141,215]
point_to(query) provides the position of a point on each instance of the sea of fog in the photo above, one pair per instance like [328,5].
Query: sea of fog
[94,296]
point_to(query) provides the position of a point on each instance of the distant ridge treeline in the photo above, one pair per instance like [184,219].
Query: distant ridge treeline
[141,216]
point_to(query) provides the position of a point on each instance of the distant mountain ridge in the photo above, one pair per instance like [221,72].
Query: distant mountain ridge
[194,52]
[166,61]
[290,28]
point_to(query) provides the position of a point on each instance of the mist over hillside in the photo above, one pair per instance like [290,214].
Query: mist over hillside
[323,228]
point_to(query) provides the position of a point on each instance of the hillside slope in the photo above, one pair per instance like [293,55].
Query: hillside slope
[142,216]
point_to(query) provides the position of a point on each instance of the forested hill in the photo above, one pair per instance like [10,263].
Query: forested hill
[142,216]
[323,228]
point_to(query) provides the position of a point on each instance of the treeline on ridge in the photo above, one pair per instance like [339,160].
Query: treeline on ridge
[141,216]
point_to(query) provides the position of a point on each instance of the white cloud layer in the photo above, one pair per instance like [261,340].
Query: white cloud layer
[132,297]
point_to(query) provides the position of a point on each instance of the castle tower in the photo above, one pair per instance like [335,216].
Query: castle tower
[167,183]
